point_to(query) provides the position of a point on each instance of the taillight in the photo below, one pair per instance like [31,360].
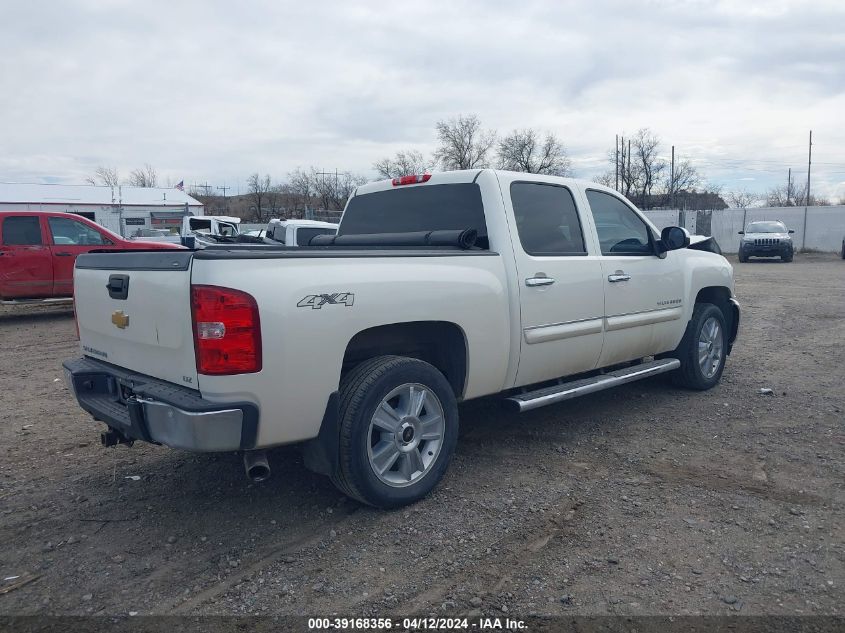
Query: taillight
[411,180]
[227,331]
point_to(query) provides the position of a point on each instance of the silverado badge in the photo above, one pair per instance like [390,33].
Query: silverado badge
[119,319]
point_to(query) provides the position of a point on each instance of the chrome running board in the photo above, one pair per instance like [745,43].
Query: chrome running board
[568,390]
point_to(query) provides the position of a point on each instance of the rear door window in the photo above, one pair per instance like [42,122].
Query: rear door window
[417,208]
[22,230]
[546,219]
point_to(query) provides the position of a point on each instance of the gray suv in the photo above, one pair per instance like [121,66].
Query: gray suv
[766,239]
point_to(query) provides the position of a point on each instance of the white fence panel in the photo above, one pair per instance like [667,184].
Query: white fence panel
[825,228]
[662,218]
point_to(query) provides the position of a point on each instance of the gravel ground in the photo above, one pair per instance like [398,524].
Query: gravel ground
[646,500]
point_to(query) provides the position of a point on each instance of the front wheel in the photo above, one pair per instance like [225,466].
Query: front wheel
[703,350]
[786,258]
[398,431]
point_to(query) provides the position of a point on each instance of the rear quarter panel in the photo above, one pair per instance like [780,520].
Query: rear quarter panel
[303,347]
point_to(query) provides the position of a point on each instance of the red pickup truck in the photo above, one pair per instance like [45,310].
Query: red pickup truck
[38,250]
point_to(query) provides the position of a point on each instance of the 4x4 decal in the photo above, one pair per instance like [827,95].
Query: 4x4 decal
[315,302]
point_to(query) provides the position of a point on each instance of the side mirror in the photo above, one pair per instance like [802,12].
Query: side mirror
[741,233]
[791,231]
[672,238]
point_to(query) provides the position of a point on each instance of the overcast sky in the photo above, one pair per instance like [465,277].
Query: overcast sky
[217,90]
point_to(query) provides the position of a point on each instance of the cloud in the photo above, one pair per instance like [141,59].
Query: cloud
[212,90]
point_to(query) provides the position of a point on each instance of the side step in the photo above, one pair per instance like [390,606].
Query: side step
[568,390]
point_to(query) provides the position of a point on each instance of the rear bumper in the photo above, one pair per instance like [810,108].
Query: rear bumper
[143,408]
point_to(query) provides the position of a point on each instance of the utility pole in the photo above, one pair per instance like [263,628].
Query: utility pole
[629,164]
[622,169]
[617,162]
[672,180]
[206,186]
[224,188]
[809,164]
[788,185]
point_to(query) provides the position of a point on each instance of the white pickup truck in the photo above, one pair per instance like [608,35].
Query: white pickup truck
[436,289]
[207,228]
[298,232]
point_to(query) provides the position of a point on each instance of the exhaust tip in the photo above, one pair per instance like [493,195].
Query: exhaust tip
[256,465]
[258,473]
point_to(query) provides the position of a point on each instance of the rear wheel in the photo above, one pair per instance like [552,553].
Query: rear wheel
[398,431]
[703,350]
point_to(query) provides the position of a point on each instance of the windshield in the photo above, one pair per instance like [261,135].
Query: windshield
[766,227]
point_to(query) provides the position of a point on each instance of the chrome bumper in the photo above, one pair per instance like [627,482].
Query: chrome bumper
[143,408]
[193,430]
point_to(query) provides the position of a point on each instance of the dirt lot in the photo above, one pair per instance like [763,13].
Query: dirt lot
[646,500]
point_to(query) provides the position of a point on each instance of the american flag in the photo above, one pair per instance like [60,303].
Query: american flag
[181,185]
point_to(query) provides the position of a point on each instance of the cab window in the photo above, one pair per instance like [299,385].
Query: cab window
[546,219]
[67,232]
[24,230]
[621,231]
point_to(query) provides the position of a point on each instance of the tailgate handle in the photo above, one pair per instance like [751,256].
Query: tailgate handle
[118,286]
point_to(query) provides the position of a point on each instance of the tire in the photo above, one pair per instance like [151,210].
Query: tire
[786,258]
[742,259]
[377,395]
[691,373]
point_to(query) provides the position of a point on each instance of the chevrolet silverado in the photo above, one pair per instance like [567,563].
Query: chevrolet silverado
[436,289]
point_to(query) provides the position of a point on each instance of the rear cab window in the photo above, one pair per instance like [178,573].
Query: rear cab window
[21,230]
[455,206]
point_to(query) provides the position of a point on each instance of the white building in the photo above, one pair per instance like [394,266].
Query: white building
[120,209]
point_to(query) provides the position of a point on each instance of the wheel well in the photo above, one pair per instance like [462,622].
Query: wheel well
[717,295]
[439,343]
[720,297]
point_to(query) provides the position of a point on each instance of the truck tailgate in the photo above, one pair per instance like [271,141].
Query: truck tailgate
[134,311]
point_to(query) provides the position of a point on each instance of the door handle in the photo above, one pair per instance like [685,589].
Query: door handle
[539,281]
[618,276]
[63,254]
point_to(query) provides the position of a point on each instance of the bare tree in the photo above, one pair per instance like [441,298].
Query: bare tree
[258,188]
[333,191]
[301,188]
[107,176]
[145,176]
[523,150]
[403,164]
[647,163]
[608,179]
[741,198]
[685,179]
[463,143]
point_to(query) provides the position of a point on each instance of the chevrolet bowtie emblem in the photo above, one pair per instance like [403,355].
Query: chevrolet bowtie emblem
[119,319]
